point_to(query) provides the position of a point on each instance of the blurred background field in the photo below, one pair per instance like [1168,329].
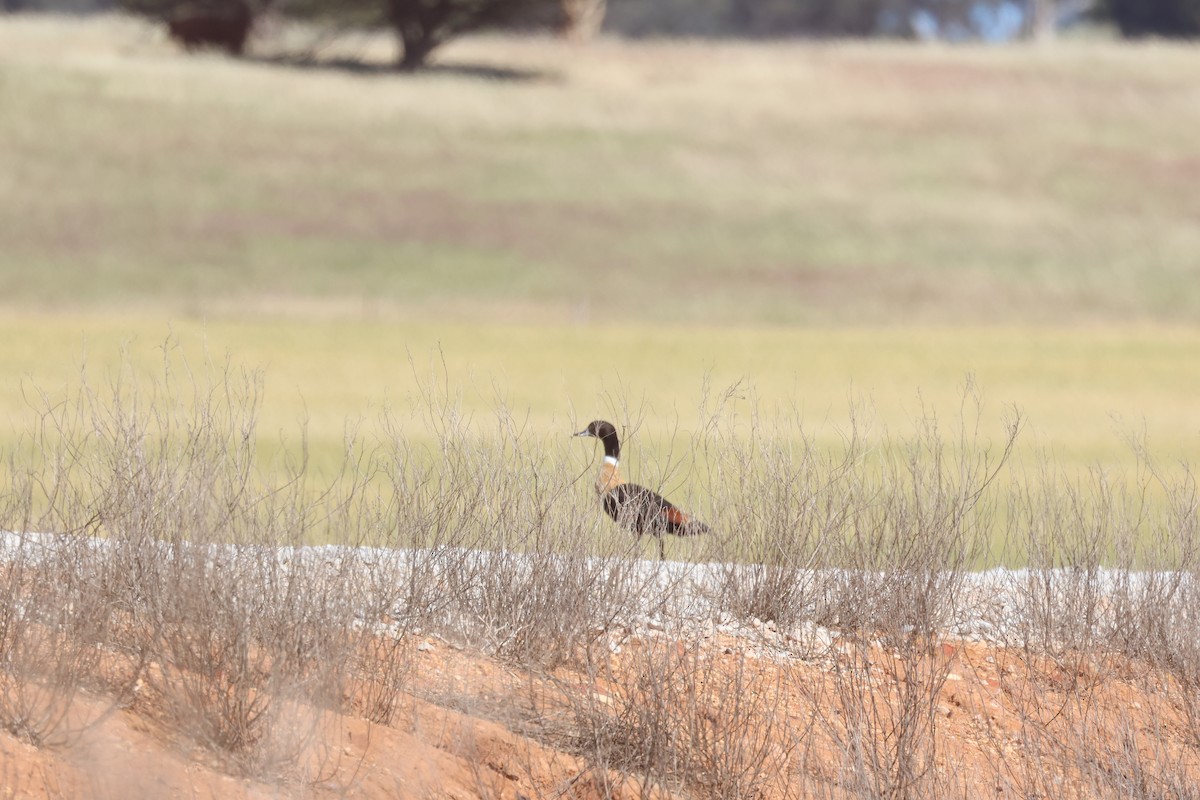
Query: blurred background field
[1082,392]
[312,291]
[578,228]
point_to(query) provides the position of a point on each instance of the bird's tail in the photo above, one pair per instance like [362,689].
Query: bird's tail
[680,524]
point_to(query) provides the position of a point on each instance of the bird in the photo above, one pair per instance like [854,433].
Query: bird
[635,507]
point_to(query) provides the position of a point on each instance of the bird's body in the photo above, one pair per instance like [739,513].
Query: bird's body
[637,508]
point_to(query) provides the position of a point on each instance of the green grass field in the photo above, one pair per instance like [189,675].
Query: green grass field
[1082,392]
[618,223]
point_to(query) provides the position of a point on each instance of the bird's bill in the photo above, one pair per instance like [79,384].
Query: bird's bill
[584,433]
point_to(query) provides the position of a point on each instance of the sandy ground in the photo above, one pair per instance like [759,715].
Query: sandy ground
[739,720]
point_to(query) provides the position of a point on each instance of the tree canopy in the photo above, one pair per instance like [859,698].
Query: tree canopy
[423,25]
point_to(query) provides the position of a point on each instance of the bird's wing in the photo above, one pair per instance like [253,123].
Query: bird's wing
[646,511]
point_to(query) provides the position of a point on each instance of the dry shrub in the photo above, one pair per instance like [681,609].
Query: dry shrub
[1106,611]
[53,628]
[1091,728]
[874,535]
[688,717]
[1110,559]
[875,540]
[918,515]
[781,506]
[60,629]
[881,713]
[177,547]
[916,525]
[252,652]
[505,555]
[181,560]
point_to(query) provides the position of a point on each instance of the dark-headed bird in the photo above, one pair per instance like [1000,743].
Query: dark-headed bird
[635,507]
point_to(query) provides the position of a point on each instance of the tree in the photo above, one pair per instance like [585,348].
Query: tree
[423,25]
[202,23]
[1171,18]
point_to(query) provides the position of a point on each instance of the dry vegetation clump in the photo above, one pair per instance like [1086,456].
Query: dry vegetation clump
[180,550]
[52,620]
[464,603]
[678,718]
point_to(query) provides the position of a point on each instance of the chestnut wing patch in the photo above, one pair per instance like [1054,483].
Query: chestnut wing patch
[643,510]
[673,515]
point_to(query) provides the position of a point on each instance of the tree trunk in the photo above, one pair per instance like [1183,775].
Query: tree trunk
[415,47]
[421,26]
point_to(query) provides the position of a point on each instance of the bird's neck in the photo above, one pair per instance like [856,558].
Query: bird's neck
[609,477]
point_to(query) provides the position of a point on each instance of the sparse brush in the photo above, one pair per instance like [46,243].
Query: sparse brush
[173,564]
[683,716]
[780,507]
[243,602]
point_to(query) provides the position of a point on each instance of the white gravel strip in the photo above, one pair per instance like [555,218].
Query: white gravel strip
[997,606]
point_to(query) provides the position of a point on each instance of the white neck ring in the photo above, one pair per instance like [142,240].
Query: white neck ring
[610,460]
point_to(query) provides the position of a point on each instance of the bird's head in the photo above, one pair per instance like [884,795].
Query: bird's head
[598,429]
[605,432]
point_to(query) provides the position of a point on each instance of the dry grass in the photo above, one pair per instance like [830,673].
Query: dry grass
[781,183]
[325,220]
[822,643]
[818,666]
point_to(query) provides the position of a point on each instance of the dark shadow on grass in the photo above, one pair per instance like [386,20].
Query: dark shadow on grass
[493,73]
[353,66]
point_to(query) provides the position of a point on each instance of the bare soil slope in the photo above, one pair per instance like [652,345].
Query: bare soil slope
[856,719]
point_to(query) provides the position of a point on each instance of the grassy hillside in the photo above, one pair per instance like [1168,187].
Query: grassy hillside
[580,228]
[693,182]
